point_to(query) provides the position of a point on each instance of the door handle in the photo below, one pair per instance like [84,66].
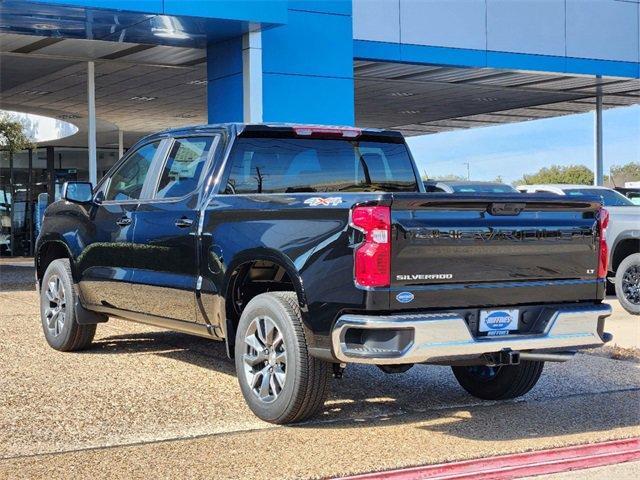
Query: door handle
[123,222]
[184,222]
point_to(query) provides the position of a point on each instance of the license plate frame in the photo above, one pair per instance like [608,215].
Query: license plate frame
[499,321]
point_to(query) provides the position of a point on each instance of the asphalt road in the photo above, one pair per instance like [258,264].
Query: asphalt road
[147,402]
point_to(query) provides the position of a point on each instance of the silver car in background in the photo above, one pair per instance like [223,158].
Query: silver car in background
[466,186]
[623,237]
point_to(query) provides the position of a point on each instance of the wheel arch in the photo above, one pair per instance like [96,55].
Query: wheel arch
[47,252]
[624,245]
[237,273]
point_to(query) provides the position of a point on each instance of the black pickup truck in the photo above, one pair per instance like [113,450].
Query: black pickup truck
[306,248]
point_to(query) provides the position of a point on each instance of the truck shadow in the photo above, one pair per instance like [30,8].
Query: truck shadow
[200,352]
[428,397]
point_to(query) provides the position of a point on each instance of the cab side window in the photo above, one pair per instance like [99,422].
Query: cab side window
[184,167]
[127,182]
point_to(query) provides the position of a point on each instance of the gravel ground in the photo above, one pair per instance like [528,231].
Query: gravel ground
[144,400]
[16,274]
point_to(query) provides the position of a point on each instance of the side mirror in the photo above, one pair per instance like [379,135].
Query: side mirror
[78,192]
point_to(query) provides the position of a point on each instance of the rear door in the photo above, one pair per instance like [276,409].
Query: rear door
[456,250]
[166,230]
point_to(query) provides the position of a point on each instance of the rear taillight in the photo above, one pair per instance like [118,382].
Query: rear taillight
[373,256]
[603,255]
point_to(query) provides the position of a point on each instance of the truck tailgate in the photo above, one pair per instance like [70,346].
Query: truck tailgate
[454,250]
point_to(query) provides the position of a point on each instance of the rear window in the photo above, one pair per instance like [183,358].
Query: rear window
[610,198]
[290,165]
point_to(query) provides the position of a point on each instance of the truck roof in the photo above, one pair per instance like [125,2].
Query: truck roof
[284,127]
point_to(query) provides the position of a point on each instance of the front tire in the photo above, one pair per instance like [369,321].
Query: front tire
[58,299]
[628,284]
[499,383]
[280,381]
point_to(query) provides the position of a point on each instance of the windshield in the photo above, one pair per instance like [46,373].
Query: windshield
[483,188]
[610,198]
[289,165]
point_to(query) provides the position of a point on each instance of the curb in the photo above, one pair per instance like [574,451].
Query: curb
[520,464]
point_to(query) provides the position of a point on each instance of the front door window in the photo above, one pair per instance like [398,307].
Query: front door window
[127,182]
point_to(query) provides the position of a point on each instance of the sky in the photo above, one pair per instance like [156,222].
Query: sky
[42,129]
[512,150]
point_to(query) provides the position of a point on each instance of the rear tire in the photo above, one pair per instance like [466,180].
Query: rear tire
[628,284]
[58,299]
[499,383]
[280,381]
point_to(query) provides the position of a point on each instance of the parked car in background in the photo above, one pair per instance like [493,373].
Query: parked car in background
[632,194]
[623,237]
[468,186]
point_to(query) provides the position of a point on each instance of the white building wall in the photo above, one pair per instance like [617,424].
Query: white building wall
[593,29]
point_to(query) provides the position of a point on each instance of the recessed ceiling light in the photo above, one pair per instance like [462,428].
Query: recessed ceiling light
[143,99]
[197,82]
[485,99]
[34,93]
[69,116]
[186,115]
[410,112]
[401,94]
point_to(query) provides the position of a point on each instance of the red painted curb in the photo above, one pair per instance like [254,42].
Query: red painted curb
[520,464]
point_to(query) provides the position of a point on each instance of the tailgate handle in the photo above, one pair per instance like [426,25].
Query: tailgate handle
[500,208]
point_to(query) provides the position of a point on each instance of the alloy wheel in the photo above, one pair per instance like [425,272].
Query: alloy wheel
[265,359]
[631,284]
[55,312]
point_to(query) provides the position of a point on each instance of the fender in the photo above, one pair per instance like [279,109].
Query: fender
[53,238]
[624,235]
[83,316]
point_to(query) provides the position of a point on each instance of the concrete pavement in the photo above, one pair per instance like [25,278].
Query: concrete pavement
[147,402]
[624,326]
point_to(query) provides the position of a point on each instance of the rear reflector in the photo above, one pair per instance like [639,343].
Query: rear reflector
[373,256]
[603,250]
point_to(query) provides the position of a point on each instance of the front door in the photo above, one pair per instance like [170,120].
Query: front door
[106,265]
[166,231]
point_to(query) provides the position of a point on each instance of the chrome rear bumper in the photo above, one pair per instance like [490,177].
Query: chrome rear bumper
[446,336]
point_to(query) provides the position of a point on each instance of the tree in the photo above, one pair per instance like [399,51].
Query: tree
[619,174]
[12,135]
[574,174]
[449,177]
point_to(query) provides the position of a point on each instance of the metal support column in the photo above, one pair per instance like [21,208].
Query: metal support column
[51,175]
[91,107]
[120,143]
[30,210]
[12,192]
[598,166]
[252,76]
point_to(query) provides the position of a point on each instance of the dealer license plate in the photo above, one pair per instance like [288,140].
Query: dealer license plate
[499,322]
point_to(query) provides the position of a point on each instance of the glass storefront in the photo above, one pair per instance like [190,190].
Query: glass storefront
[29,180]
